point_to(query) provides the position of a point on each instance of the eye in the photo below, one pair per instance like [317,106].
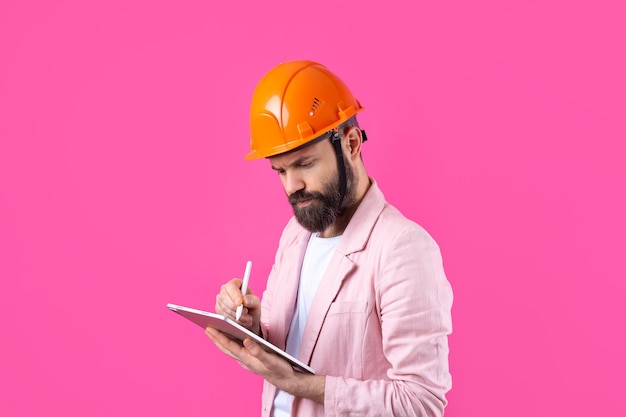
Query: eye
[307,164]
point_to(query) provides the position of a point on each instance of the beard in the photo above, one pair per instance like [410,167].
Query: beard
[326,206]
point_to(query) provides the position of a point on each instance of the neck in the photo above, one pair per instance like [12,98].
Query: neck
[338,227]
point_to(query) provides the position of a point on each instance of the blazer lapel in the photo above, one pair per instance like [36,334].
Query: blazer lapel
[288,290]
[337,270]
[354,239]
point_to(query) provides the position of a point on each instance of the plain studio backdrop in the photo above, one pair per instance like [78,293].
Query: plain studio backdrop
[497,125]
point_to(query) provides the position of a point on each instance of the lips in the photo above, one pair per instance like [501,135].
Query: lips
[301,199]
[304,202]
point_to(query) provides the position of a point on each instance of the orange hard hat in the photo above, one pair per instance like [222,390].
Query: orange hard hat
[294,103]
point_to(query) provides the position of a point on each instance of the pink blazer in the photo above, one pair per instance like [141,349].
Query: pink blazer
[379,321]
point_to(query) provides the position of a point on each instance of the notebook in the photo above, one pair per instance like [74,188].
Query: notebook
[236,332]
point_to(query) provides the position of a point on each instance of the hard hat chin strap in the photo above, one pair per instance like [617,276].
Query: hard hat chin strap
[336,140]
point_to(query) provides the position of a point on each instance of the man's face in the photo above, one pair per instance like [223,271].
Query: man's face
[311,181]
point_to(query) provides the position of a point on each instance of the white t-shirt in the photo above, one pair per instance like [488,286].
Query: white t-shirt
[316,259]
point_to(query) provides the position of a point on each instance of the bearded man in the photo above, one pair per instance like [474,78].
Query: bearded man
[357,291]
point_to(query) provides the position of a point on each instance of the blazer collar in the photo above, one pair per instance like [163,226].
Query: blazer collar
[361,224]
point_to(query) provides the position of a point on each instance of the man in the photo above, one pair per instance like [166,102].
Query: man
[357,291]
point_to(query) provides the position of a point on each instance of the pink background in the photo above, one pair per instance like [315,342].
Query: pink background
[497,125]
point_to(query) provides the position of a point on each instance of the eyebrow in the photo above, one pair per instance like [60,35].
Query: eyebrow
[295,162]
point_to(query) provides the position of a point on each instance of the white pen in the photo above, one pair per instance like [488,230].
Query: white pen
[244,289]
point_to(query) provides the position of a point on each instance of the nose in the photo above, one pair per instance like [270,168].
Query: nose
[292,182]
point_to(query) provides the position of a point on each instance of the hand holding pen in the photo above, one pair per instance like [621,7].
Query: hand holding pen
[233,296]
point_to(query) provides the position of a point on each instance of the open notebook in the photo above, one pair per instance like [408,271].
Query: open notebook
[233,329]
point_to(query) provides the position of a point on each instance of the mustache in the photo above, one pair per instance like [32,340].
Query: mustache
[302,195]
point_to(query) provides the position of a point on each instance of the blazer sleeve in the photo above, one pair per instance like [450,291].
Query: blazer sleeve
[414,301]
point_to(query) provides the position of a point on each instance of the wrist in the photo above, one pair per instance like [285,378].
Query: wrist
[305,386]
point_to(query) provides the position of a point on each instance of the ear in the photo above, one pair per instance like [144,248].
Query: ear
[354,140]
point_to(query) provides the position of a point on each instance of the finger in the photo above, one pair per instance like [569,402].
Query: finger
[232,290]
[236,351]
[228,298]
[246,319]
[224,343]
[224,306]
[251,301]
[263,363]
[253,347]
